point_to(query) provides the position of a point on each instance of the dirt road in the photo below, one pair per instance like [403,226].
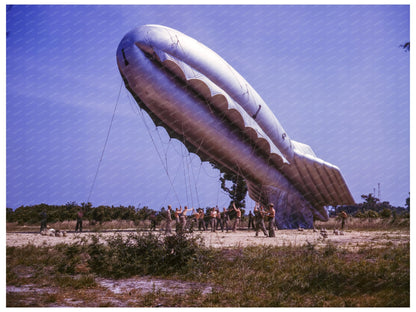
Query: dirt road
[350,240]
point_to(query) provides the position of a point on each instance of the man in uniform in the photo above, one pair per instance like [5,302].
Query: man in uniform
[43,219]
[219,220]
[177,212]
[80,215]
[225,219]
[259,219]
[213,215]
[271,214]
[238,217]
[182,217]
[168,229]
[344,217]
[201,221]
[250,220]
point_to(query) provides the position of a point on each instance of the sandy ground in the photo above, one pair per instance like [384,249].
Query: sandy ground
[350,239]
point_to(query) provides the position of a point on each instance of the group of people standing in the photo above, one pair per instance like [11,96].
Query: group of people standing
[218,219]
[260,216]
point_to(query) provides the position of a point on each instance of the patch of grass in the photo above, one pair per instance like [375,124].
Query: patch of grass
[145,254]
[296,276]
[366,224]
[76,282]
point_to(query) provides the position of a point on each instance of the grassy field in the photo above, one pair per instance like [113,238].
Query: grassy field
[197,276]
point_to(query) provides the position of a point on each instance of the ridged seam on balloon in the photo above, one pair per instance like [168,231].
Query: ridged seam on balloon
[303,151]
[149,63]
[200,57]
[327,170]
[245,122]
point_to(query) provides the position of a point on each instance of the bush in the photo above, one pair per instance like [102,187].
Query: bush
[144,255]
[371,214]
[385,213]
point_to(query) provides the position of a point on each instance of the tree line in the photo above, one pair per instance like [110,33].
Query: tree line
[372,207]
[95,215]
[68,212]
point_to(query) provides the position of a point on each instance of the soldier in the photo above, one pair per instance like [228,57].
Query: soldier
[213,215]
[43,219]
[177,221]
[271,215]
[182,217]
[80,215]
[194,220]
[219,220]
[238,218]
[195,216]
[259,219]
[152,222]
[250,220]
[201,221]
[168,229]
[226,219]
[343,215]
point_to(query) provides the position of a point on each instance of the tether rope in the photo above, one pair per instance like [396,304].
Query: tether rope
[139,111]
[105,144]
[160,157]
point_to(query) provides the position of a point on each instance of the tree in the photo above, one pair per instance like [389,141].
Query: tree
[144,213]
[370,202]
[408,203]
[371,214]
[238,190]
[385,213]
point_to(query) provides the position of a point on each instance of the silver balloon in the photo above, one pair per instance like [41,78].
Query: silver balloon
[202,101]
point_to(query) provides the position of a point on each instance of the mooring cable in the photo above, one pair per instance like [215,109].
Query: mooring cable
[105,144]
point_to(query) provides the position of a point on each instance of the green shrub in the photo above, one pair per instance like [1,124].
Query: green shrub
[144,254]
[385,213]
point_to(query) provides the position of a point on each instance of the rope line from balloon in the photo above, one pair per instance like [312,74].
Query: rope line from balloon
[105,144]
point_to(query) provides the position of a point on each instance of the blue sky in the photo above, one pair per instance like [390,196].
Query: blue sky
[335,77]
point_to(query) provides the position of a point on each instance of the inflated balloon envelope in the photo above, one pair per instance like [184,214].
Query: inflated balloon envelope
[203,102]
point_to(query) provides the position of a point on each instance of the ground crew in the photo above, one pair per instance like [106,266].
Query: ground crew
[182,218]
[201,221]
[177,221]
[225,219]
[219,220]
[213,215]
[250,220]
[271,215]
[43,219]
[168,228]
[78,226]
[344,217]
[152,222]
[238,218]
[259,219]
